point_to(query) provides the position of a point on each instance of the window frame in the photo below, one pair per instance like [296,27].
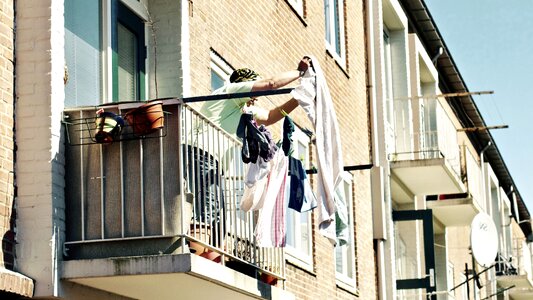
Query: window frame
[297,6]
[344,279]
[330,27]
[123,14]
[108,12]
[221,68]
[294,253]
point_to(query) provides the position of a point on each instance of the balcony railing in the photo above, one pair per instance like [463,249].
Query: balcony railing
[514,271]
[519,263]
[431,146]
[175,190]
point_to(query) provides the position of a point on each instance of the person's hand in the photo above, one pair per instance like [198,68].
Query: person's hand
[304,65]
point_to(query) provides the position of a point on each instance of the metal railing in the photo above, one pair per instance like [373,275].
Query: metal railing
[431,146]
[518,262]
[171,192]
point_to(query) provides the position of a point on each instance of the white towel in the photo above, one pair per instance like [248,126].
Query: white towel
[329,151]
[255,185]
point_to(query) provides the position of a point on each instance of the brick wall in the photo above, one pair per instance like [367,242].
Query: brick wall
[270,37]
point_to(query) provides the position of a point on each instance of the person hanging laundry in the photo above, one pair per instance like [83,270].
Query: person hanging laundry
[314,97]
[204,170]
[227,113]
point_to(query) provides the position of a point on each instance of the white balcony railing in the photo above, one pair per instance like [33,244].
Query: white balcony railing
[516,263]
[175,189]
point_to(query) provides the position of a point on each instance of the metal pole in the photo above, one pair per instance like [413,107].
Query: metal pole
[234,95]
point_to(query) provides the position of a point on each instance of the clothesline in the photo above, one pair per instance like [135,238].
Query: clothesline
[346,168]
[234,95]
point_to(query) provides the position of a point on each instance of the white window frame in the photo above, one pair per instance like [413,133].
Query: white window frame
[349,250]
[331,47]
[219,66]
[298,6]
[295,254]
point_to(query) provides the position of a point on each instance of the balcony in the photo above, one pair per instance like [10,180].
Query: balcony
[454,209]
[157,212]
[426,172]
[516,273]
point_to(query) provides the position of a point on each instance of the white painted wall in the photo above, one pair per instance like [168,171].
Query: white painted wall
[39,165]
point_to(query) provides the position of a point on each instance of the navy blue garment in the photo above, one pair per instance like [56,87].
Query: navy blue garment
[288,129]
[297,177]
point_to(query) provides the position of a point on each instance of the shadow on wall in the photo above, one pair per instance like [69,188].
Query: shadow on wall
[8,240]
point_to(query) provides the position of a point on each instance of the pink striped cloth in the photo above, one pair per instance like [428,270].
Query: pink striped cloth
[270,227]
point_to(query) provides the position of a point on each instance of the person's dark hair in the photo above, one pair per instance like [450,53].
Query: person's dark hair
[244,74]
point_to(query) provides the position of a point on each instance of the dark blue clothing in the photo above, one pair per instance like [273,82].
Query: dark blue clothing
[297,177]
[288,129]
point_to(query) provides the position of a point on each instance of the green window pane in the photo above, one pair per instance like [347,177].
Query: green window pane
[127,64]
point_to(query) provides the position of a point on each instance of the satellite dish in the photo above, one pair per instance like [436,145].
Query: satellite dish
[484,239]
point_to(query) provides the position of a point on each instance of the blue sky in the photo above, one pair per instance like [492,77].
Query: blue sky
[491,42]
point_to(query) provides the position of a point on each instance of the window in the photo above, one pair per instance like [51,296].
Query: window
[105,51]
[344,253]
[299,240]
[220,71]
[388,92]
[334,23]
[298,6]
[129,54]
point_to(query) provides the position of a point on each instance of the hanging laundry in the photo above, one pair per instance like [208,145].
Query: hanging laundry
[314,97]
[268,153]
[270,227]
[256,141]
[301,196]
[288,129]
[256,182]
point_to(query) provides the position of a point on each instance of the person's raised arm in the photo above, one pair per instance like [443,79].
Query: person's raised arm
[282,79]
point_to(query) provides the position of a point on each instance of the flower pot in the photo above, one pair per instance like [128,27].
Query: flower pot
[202,233]
[108,127]
[269,279]
[146,118]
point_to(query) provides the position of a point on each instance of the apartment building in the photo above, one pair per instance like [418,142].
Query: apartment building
[120,215]
[103,214]
[438,175]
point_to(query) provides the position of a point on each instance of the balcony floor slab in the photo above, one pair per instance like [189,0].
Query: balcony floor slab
[428,176]
[185,276]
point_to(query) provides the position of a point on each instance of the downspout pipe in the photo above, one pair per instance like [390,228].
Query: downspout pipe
[381,260]
[483,186]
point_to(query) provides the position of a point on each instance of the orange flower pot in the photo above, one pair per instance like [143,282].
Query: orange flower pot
[146,118]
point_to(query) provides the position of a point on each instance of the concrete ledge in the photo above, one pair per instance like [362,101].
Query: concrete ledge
[167,277]
[15,283]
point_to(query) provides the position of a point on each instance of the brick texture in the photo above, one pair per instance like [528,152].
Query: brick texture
[7,212]
[270,37]
[11,283]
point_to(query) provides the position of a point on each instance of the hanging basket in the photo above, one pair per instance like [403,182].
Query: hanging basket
[108,127]
[146,118]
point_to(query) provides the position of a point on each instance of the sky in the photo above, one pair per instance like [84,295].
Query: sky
[491,42]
